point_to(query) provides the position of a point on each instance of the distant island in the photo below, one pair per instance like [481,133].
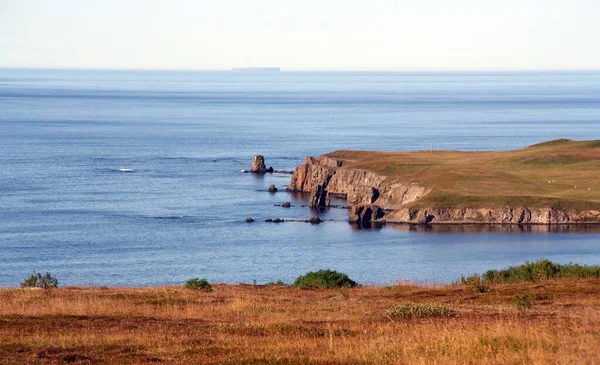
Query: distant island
[256,69]
[554,182]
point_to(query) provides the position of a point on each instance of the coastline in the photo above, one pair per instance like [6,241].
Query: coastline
[453,187]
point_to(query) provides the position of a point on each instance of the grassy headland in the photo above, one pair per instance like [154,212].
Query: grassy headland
[537,321]
[560,173]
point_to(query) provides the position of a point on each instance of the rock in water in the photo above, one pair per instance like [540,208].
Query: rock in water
[315,220]
[249,219]
[286,205]
[258,165]
[318,197]
[272,188]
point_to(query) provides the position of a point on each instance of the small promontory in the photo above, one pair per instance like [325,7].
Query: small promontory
[547,183]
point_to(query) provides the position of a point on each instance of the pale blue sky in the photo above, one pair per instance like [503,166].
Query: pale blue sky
[301,35]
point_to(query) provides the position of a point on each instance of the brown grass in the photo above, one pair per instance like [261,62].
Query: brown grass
[242,324]
[555,173]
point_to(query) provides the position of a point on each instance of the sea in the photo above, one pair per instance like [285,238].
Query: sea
[70,205]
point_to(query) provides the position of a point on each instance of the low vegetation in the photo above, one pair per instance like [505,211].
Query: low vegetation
[410,311]
[37,280]
[245,324]
[523,301]
[324,279]
[540,270]
[475,284]
[199,284]
[519,322]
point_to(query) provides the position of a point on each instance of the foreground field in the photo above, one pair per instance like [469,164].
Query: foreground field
[245,324]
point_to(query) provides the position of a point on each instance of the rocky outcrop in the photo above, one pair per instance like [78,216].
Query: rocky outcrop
[357,186]
[258,165]
[323,161]
[366,214]
[315,220]
[307,176]
[372,198]
[272,188]
[318,197]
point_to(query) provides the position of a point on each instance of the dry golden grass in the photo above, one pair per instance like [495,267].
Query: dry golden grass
[556,173]
[243,324]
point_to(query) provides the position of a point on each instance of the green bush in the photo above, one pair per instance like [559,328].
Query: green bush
[475,284]
[540,270]
[410,311]
[199,284]
[523,301]
[36,280]
[276,283]
[324,279]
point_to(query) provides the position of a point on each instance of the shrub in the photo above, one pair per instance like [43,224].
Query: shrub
[540,270]
[324,279]
[475,284]
[199,284]
[523,301]
[410,311]
[276,283]
[36,280]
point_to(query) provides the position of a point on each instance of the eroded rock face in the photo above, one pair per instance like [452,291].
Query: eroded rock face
[318,197]
[258,165]
[507,215]
[323,161]
[366,214]
[306,177]
[322,176]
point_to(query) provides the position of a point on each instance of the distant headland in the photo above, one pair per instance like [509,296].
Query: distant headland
[256,69]
[555,182]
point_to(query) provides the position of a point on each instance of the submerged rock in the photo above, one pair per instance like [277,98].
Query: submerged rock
[258,165]
[286,205]
[276,220]
[315,220]
[249,220]
[272,188]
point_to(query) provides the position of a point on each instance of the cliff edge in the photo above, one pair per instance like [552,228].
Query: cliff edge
[548,183]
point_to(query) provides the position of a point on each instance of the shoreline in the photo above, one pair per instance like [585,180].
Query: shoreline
[548,183]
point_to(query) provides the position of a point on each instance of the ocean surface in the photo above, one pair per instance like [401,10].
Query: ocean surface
[66,208]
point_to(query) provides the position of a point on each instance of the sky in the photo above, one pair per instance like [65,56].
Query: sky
[395,35]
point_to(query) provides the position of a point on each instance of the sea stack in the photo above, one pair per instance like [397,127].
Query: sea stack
[258,165]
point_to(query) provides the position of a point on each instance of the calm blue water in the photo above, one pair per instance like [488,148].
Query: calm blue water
[65,207]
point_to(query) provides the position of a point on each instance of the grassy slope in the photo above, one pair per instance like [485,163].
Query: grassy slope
[240,324]
[495,179]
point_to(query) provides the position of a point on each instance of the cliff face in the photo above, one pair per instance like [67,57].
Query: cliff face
[355,185]
[505,215]
[368,192]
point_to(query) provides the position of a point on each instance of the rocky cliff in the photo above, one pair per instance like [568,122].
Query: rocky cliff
[372,198]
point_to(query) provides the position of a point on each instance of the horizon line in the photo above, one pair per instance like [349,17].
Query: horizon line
[302,70]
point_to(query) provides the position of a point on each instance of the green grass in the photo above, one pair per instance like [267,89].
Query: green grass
[561,173]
